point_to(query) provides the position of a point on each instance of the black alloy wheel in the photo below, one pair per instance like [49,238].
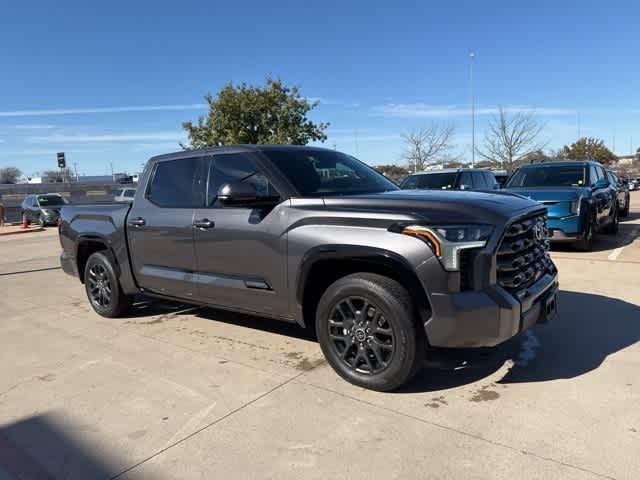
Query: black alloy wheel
[361,335]
[100,290]
[102,286]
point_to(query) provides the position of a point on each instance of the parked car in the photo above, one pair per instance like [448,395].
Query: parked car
[622,193]
[124,194]
[43,209]
[578,197]
[451,179]
[314,236]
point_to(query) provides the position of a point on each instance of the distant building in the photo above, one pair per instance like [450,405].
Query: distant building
[626,159]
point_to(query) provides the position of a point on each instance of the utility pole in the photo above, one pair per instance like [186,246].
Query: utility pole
[75,168]
[472,56]
[112,176]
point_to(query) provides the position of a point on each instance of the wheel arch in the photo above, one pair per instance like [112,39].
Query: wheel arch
[87,245]
[323,265]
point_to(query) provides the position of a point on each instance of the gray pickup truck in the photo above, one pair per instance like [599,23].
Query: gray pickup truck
[316,237]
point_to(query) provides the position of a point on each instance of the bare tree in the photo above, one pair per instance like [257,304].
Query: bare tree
[510,137]
[9,174]
[428,145]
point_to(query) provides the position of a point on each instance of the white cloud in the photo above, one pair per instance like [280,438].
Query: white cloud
[423,110]
[110,137]
[77,111]
[34,127]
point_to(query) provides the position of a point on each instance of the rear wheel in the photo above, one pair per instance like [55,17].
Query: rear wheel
[102,286]
[366,327]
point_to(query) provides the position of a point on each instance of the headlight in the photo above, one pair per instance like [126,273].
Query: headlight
[446,241]
[575,206]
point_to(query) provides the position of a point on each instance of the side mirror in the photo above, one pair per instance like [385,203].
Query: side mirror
[602,183]
[238,193]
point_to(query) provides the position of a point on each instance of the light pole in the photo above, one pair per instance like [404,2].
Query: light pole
[473,112]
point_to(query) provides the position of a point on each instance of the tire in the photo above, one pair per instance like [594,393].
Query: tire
[365,324]
[586,243]
[41,221]
[613,226]
[103,289]
[625,212]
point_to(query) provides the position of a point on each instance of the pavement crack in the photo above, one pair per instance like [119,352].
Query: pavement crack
[207,426]
[461,432]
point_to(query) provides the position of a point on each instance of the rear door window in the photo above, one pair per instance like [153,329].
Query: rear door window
[176,184]
[466,180]
[479,182]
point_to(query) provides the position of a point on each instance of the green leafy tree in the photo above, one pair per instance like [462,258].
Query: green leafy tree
[588,148]
[245,114]
[9,174]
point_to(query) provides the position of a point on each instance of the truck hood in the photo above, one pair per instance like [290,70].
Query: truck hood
[439,206]
[555,194]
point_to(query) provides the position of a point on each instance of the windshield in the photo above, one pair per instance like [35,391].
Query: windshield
[49,200]
[325,172]
[551,176]
[440,181]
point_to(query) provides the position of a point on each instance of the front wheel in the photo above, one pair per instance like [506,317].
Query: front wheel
[586,243]
[41,221]
[366,327]
[102,286]
[614,224]
[625,210]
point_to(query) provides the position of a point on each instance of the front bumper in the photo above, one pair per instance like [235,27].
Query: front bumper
[488,317]
[565,229]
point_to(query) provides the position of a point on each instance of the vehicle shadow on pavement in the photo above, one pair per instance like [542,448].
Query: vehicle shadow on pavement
[586,331]
[258,323]
[48,446]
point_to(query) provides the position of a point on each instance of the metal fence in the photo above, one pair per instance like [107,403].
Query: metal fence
[11,196]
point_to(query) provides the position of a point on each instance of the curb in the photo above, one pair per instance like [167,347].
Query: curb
[18,232]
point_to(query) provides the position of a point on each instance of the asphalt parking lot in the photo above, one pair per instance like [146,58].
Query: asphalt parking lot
[180,392]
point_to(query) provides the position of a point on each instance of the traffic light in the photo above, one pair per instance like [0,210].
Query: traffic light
[61,161]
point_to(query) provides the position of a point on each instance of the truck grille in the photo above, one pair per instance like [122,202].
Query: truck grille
[522,257]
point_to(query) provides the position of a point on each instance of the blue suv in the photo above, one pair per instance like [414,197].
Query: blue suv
[578,197]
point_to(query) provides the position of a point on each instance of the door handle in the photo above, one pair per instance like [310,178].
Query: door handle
[137,222]
[203,224]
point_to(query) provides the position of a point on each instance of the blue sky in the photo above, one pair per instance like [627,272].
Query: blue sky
[113,81]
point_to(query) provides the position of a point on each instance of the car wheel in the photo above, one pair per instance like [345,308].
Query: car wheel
[365,324]
[41,221]
[586,243]
[102,286]
[625,210]
[613,226]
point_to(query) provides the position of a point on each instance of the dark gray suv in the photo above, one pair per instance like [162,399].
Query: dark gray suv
[451,179]
[318,238]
